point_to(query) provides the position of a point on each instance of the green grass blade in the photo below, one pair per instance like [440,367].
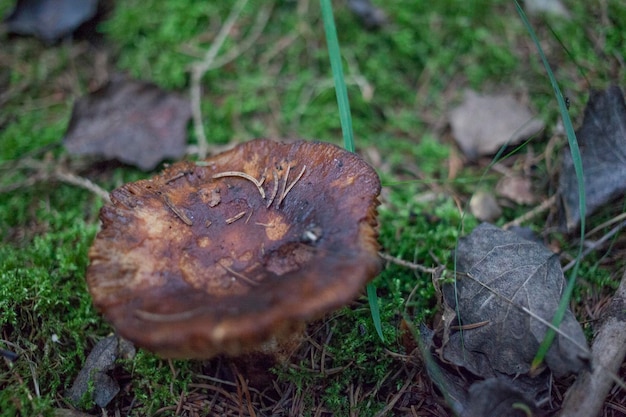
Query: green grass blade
[346,123]
[372,298]
[578,169]
[337,69]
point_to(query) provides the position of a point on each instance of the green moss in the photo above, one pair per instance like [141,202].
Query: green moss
[43,298]
[414,68]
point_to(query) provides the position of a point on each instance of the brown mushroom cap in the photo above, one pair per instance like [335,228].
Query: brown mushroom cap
[221,255]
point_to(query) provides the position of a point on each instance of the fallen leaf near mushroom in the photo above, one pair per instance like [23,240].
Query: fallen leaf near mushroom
[186,274]
[517,189]
[602,144]
[132,121]
[93,377]
[497,397]
[370,16]
[506,289]
[50,20]
[484,123]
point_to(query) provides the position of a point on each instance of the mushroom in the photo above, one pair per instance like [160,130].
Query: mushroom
[223,255]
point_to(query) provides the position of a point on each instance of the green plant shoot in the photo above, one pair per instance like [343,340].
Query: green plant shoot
[578,168]
[346,123]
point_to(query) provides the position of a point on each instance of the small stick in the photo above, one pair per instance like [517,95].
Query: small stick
[471,326]
[235,217]
[238,275]
[257,183]
[291,185]
[587,395]
[200,68]
[177,176]
[606,224]
[532,213]
[274,190]
[178,212]
[406,264]
[282,193]
[598,243]
[74,179]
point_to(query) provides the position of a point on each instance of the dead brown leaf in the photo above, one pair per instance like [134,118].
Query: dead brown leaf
[484,123]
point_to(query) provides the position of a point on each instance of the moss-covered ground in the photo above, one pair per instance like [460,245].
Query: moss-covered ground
[402,80]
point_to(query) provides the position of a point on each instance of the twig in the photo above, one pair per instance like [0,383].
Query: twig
[262,18]
[391,403]
[406,264]
[532,213]
[586,397]
[282,197]
[282,193]
[239,275]
[74,179]
[178,212]
[45,173]
[235,217]
[199,69]
[274,190]
[606,224]
[595,245]
[258,184]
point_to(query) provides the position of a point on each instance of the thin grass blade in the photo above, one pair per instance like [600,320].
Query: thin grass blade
[578,169]
[346,122]
[337,68]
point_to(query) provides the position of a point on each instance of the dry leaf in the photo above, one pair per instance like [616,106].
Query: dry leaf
[602,142]
[93,374]
[484,206]
[497,397]
[371,16]
[492,397]
[483,123]
[517,189]
[50,20]
[515,286]
[132,121]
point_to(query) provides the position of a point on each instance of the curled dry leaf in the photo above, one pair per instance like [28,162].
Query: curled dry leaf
[483,123]
[292,236]
[511,287]
[132,121]
[602,143]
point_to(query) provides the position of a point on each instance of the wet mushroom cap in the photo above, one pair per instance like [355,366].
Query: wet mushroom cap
[222,255]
